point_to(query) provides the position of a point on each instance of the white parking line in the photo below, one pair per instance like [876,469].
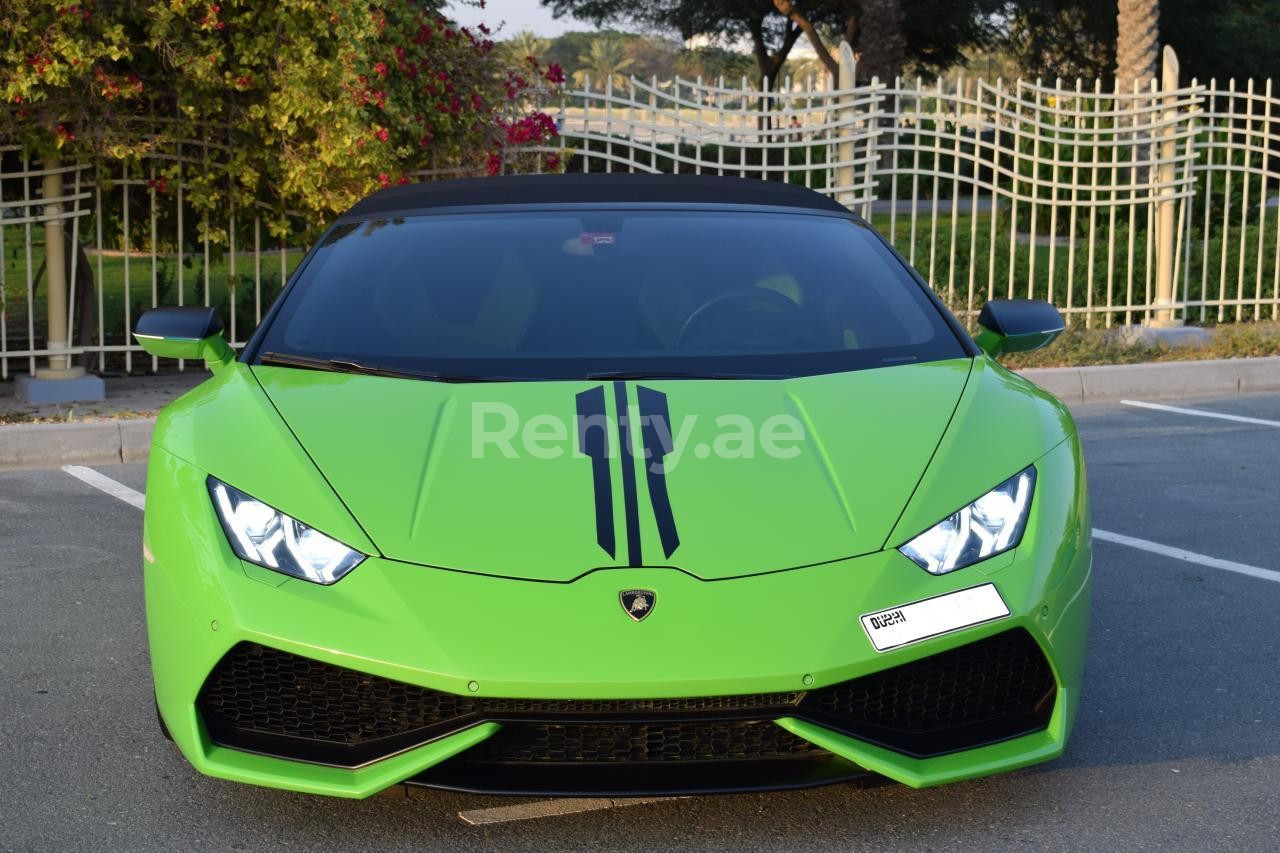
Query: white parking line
[1187,556]
[550,808]
[1200,413]
[104,483]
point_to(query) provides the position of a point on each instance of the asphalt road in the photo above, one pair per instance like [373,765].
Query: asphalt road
[1177,743]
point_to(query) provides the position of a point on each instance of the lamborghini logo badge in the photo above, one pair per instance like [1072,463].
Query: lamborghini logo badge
[638,603]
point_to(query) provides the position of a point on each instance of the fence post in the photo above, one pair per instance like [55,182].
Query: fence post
[1166,175]
[55,255]
[843,128]
[59,382]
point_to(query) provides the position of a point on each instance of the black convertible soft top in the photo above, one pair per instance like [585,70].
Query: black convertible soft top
[591,188]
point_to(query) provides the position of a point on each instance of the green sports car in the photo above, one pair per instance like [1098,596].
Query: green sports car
[612,485]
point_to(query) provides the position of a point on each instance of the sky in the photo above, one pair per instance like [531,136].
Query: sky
[518,15]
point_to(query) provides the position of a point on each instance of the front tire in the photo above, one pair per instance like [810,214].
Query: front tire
[164,729]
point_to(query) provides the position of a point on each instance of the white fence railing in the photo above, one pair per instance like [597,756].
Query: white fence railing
[1119,207]
[1078,193]
[139,245]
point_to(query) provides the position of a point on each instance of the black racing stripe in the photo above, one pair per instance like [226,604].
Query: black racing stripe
[658,442]
[593,441]
[630,502]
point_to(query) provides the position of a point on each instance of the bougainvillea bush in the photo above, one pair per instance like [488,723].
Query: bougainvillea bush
[304,105]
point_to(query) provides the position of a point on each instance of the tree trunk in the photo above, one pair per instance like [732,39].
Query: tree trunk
[881,40]
[1137,54]
[1137,43]
[769,64]
[789,10]
[86,303]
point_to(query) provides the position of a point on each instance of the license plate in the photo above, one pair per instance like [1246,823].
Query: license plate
[942,614]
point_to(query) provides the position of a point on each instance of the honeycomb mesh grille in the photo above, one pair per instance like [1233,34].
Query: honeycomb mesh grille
[608,743]
[705,704]
[1003,676]
[266,691]
[279,703]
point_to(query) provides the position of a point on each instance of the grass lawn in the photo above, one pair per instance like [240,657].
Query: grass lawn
[170,280]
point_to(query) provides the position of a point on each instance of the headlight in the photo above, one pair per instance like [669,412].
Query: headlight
[263,535]
[988,526]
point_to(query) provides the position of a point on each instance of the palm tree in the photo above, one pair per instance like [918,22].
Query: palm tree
[604,60]
[803,70]
[527,43]
[1138,30]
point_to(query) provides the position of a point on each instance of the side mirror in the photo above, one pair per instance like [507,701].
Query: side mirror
[1017,325]
[184,333]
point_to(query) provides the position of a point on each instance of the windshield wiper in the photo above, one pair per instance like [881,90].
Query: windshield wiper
[675,374]
[342,365]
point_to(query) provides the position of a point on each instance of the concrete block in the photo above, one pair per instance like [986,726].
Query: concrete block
[84,389]
[1173,336]
[55,445]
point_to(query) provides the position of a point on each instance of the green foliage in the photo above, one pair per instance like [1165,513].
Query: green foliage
[936,31]
[301,105]
[1070,38]
[603,61]
[1079,346]
[646,56]
[711,63]
[63,70]
[523,45]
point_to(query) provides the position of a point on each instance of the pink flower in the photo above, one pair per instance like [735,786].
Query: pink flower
[554,74]
[494,164]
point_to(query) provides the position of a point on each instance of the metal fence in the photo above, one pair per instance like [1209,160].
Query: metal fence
[1119,207]
[1081,194]
[133,242]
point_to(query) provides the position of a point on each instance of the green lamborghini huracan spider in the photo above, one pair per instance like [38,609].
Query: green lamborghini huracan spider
[612,485]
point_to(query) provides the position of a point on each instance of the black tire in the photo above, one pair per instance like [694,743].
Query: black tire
[164,729]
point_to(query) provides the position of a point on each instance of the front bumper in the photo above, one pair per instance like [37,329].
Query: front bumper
[479,637]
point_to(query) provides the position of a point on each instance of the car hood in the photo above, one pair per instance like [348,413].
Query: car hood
[422,468]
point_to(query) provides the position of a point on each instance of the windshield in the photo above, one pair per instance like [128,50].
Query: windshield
[580,294]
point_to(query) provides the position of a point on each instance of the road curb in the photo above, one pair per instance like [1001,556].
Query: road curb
[106,442]
[84,443]
[1158,380]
